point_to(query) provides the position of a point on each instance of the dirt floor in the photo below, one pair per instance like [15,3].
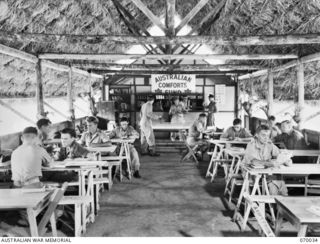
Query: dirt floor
[171,199]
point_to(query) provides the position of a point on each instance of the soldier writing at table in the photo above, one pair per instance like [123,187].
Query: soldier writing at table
[236,132]
[196,131]
[93,136]
[125,131]
[262,152]
[27,159]
[70,148]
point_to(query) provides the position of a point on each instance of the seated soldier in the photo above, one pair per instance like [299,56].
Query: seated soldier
[70,148]
[27,159]
[262,152]
[26,162]
[196,131]
[292,139]
[236,131]
[275,131]
[43,129]
[94,136]
[124,131]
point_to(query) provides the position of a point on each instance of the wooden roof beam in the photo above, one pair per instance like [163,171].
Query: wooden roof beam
[306,59]
[171,11]
[112,56]
[148,72]
[191,14]
[261,40]
[154,19]
[33,59]
[192,67]
[18,54]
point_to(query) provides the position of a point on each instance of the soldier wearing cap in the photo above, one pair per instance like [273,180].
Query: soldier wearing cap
[290,137]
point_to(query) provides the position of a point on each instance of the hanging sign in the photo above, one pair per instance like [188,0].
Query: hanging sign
[174,83]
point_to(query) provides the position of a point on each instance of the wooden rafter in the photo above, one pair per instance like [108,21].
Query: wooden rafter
[260,40]
[154,19]
[191,14]
[134,27]
[136,72]
[306,59]
[112,56]
[145,67]
[33,59]
[209,18]
[171,10]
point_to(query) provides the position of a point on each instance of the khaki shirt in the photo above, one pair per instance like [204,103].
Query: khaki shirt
[197,128]
[293,141]
[176,110]
[74,151]
[26,162]
[99,137]
[130,132]
[261,152]
[230,132]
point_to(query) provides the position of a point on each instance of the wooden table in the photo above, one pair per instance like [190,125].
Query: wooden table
[124,151]
[222,141]
[109,149]
[261,174]
[296,153]
[167,126]
[33,200]
[305,153]
[296,211]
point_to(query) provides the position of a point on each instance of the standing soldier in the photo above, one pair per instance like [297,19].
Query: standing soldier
[212,109]
[176,113]
[147,135]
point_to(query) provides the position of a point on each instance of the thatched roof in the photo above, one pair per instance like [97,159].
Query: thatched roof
[238,17]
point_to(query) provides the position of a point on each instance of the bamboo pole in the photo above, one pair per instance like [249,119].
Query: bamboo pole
[70,95]
[301,104]
[270,93]
[39,91]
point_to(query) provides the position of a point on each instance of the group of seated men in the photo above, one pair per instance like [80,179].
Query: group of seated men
[27,159]
[261,149]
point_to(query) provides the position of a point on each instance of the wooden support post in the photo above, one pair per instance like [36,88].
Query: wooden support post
[103,87]
[39,91]
[300,79]
[270,93]
[70,96]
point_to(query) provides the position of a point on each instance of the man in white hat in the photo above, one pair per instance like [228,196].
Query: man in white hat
[290,137]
